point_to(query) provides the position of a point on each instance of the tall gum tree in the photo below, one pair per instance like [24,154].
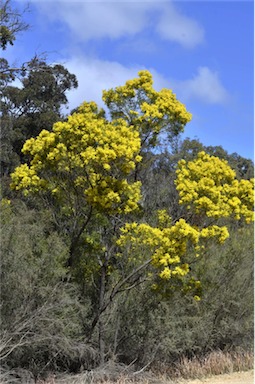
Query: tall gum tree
[34,106]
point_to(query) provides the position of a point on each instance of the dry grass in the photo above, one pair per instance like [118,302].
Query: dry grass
[215,363]
[111,373]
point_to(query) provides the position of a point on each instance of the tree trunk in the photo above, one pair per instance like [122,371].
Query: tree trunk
[100,321]
[101,341]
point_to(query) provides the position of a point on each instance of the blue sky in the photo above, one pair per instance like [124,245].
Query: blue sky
[202,50]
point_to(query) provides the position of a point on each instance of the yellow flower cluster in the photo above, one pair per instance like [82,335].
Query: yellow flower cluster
[214,231]
[5,203]
[209,185]
[95,154]
[26,179]
[148,108]
[164,220]
[111,194]
[167,246]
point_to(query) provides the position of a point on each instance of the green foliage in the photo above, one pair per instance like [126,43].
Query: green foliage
[148,328]
[113,225]
[41,249]
[228,290]
[11,23]
[6,36]
[41,318]
[26,111]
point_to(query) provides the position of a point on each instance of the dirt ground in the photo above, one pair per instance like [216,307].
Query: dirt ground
[233,378]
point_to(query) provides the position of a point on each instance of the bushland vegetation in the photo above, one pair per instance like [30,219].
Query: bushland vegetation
[123,246]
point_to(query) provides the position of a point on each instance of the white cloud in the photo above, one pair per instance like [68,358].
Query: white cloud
[96,20]
[110,19]
[179,28]
[96,75]
[205,86]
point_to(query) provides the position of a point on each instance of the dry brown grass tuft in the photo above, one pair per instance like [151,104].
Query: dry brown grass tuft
[214,363]
[111,373]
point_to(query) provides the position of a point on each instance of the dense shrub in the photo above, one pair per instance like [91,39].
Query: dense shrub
[41,317]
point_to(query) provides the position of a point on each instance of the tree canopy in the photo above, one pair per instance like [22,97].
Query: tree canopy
[11,23]
[87,164]
[34,106]
[93,174]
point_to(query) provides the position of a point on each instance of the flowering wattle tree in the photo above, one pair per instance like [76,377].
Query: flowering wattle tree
[86,168]
[208,185]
